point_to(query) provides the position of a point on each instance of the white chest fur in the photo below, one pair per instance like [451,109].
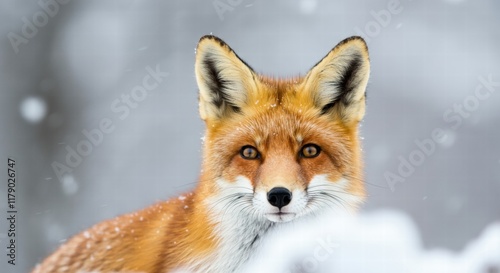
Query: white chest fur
[239,240]
[238,230]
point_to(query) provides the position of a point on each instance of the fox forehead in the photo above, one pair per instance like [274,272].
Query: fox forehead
[278,93]
[277,126]
[279,108]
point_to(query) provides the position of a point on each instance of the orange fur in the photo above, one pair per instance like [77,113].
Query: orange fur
[277,117]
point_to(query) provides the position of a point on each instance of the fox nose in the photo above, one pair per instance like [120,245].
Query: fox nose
[279,197]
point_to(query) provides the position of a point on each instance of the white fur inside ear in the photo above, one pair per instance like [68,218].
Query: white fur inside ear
[347,67]
[339,80]
[223,79]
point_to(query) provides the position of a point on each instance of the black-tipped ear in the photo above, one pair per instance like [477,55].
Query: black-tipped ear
[338,82]
[224,80]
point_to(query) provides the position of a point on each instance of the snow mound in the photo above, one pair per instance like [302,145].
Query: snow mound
[381,241]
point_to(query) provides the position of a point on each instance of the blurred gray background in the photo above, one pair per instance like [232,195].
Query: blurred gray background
[67,67]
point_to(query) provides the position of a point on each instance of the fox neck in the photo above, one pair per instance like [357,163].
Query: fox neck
[238,240]
[236,234]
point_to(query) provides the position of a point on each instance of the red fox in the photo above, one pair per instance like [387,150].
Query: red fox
[275,150]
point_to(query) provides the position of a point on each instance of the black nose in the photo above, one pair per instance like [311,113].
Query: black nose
[279,197]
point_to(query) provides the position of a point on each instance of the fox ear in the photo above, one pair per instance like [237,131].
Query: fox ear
[338,82]
[224,80]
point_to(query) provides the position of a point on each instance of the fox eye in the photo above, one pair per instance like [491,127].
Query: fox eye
[310,151]
[249,152]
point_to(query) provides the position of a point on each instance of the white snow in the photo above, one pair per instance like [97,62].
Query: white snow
[382,241]
[33,109]
[69,184]
[449,139]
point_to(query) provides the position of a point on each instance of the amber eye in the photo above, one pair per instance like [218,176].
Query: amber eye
[249,152]
[310,151]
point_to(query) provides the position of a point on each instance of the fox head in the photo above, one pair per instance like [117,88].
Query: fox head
[278,149]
